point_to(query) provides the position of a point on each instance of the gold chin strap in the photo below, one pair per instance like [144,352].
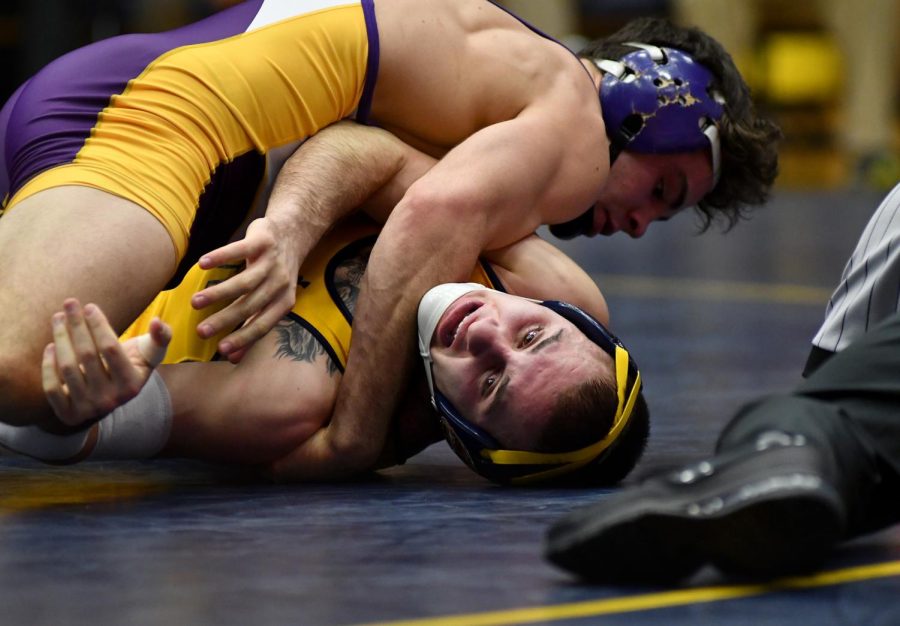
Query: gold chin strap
[570,461]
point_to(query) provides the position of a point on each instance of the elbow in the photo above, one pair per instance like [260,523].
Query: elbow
[357,454]
[443,221]
[460,208]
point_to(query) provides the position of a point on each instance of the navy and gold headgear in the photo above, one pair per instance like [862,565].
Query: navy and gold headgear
[484,454]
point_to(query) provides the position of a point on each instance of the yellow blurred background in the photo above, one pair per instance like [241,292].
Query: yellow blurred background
[827,70]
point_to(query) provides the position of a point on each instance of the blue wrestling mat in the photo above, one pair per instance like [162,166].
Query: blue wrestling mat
[713,321]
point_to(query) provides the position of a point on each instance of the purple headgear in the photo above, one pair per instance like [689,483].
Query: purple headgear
[655,100]
[660,100]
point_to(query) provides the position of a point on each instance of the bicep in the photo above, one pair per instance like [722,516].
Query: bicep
[273,400]
[518,174]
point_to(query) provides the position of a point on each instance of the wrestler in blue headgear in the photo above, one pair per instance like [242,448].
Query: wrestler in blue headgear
[655,100]
[478,448]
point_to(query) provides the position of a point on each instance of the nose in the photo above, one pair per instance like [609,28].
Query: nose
[637,222]
[483,337]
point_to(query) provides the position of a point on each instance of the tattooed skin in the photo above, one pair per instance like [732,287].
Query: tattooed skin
[295,342]
[298,344]
[347,277]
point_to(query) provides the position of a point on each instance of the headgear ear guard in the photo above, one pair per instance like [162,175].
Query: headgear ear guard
[656,100]
[660,100]
[483,453]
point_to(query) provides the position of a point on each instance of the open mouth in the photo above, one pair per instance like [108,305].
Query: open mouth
[453,320]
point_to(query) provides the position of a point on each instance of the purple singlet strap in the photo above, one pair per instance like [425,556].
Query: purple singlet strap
[365,102]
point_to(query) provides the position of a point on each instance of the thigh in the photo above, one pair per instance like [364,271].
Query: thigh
[5,114]
[864,381]
[865,370]
[75,242]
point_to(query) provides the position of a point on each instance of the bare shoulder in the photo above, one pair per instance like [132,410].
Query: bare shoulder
[470,64]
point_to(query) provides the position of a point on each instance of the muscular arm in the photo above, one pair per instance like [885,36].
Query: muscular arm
[343,167]
[486,193]
[258,410]
[530,267]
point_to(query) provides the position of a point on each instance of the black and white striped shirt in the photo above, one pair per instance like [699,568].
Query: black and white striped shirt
[869,290]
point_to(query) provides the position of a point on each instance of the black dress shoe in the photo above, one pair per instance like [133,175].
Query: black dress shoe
[760,511]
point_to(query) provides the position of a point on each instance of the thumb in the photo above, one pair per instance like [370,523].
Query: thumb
[153,345]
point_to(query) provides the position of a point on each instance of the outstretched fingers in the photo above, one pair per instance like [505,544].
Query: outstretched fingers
[262,305]
[121,382]
[72,375]
[54,387]
[86,372]
[244,290]
[260,294]
[243,251]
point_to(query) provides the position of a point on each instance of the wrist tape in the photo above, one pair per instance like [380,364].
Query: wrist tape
[138,429]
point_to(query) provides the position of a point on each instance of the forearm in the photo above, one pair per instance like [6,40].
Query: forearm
[415,425]
[412,255]
[324,180]
[332,174]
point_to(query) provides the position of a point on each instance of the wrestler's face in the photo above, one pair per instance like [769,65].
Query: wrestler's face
[502,361]
[643,188]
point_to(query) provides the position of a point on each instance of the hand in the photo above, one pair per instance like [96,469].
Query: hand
[261,294]
[87,372]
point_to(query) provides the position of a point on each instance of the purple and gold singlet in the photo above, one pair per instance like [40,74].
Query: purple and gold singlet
[186,123]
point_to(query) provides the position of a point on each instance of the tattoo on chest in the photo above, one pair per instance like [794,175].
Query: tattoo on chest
[298,344]
[295,342]
[348,275]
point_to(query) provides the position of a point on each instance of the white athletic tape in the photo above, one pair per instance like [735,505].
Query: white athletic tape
[39,444]
[152,352]
[138,429]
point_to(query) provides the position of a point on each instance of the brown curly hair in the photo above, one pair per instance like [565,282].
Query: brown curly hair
[584,415]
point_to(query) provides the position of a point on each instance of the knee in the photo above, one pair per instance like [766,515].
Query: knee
[813,418]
